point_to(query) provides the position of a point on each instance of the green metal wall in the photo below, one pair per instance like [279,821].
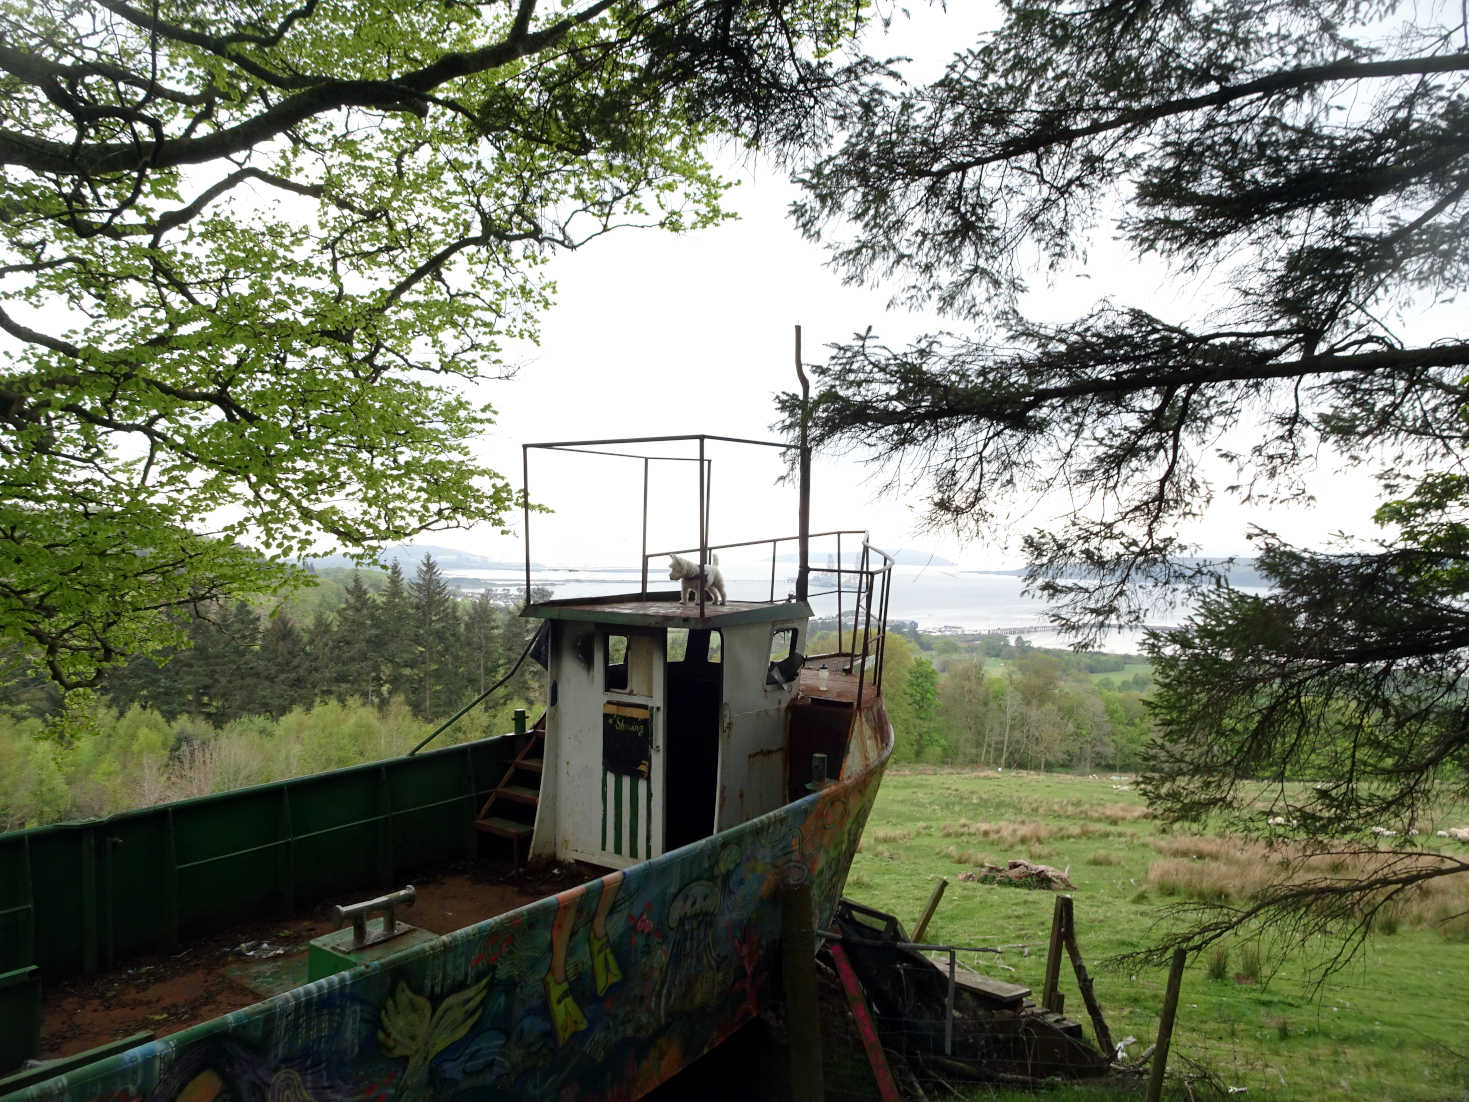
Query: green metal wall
[79,896]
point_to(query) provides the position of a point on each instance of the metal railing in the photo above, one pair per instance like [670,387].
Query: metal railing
[862,585]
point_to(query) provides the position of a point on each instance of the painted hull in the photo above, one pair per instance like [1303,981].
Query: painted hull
[658,963]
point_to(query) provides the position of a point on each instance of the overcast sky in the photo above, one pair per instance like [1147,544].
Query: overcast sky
[655,334]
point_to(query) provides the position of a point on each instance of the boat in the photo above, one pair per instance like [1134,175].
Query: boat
[692,766]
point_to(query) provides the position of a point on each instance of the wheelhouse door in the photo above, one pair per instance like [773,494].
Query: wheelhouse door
[632,767]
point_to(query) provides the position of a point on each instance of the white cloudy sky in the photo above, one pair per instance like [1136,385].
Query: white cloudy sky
[655,334]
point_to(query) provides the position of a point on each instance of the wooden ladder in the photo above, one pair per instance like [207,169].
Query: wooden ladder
[510,811]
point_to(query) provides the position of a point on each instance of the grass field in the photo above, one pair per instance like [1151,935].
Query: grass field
[1393,1025]
[1127,673]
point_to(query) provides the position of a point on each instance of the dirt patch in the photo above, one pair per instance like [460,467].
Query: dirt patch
[169,991]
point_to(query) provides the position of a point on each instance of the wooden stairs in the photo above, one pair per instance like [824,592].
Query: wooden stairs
[510,811]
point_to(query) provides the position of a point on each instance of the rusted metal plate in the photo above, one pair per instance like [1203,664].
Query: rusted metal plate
[841,688]
[664,610]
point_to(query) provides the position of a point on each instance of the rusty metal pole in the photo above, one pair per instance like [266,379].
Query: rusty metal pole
[645,527]
[803,573]
[707,469]
[840,636]
[703,551]
[525,513]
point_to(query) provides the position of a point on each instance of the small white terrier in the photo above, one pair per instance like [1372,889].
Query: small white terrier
[690,576]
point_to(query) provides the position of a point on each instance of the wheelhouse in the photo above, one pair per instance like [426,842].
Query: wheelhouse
[672,715]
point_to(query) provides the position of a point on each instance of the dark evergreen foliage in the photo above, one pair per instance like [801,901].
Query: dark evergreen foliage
[1309,163]
[409,640]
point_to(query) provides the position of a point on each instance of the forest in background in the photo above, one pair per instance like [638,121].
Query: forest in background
[363,664]
[993,701]
[358,667]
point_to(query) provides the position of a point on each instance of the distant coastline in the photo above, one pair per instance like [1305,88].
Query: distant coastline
[1240,571]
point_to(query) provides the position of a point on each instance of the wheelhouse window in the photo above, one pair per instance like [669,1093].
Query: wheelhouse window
[782,643]
[785,659]
[615,670]
[628,663]
[678,646]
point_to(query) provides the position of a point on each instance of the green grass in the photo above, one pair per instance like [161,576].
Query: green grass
[1394,1025]
[1127,673]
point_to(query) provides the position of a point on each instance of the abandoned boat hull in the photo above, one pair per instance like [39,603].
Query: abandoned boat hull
[661,961]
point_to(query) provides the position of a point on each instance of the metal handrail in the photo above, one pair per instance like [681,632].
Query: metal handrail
[774,541]
[869,658]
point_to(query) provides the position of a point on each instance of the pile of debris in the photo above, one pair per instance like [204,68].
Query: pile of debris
[933,1022]
[1022,874]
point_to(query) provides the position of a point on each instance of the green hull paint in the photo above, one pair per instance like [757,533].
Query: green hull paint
[686,956]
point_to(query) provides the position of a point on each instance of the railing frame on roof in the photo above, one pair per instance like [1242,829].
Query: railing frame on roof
[871,657]
[868,578]
[706,487]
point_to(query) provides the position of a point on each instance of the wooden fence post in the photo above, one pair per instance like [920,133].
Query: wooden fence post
[1165,1025]
[798,971]
[1051,997]
[933,905]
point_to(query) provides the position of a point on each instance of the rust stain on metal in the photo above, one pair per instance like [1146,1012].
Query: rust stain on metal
[841,687]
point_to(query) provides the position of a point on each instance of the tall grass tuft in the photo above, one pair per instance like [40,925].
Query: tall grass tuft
[1249,964]
[1219,963]
[1232,870]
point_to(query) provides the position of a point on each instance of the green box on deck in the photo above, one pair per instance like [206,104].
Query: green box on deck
[333,953]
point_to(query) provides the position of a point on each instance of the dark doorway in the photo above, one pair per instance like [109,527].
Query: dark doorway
[695,682]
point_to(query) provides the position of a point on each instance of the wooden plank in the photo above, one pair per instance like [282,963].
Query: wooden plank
[505,828]
[520,793]
[1051,997]
[1004,994]
[887,1087]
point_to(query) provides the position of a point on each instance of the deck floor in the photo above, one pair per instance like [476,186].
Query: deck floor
[841,688]
[169,991]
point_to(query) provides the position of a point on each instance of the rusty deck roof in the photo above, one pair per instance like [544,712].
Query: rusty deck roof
[664,610]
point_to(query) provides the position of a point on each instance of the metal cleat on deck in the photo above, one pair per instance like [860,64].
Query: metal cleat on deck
[343,949]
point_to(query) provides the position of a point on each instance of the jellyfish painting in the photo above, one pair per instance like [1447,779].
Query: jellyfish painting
[693,976]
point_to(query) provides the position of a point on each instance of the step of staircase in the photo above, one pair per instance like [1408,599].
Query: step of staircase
[519,793]
[504,828]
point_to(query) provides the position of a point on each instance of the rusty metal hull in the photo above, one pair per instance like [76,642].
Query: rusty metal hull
[605,990]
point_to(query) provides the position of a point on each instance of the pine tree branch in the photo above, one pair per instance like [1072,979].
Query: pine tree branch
[1291,80]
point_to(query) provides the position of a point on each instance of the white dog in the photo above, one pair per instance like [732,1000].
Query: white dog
[691,577]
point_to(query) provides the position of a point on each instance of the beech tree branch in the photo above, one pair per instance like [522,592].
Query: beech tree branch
[311,97]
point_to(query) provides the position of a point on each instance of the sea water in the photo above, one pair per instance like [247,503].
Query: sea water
[943,600]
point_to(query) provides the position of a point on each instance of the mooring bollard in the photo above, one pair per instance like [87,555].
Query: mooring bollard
[385,905]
